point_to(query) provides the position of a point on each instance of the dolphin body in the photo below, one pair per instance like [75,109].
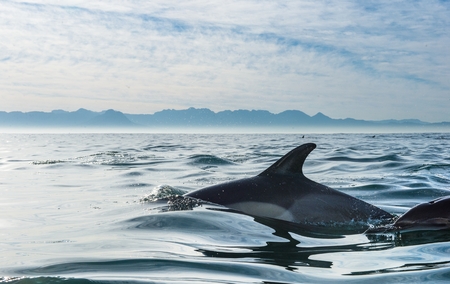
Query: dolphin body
[282,192]
[433,215]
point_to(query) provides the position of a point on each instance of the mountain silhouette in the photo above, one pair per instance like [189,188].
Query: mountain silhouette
[200,117]
[110,118]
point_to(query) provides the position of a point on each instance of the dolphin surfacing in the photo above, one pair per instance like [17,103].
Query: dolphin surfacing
[427,216]
[283,192]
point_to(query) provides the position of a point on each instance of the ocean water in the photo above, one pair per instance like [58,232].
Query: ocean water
[84,208]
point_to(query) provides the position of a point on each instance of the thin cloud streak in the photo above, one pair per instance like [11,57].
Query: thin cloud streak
[369,60]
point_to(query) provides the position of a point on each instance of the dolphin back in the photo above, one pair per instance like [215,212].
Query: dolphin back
[429,215]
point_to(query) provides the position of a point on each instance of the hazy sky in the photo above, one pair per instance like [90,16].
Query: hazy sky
[360,59]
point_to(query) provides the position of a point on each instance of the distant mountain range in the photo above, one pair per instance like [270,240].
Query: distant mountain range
[197,118]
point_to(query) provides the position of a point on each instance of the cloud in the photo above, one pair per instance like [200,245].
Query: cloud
[344,58]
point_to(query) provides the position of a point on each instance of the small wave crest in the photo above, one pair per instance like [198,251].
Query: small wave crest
[383,158]
[108,158]
[430,167]
[174,197]
[208,160]
[48,162]
[162,192]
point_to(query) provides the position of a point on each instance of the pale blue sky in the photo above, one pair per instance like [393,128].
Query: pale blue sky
[360,59]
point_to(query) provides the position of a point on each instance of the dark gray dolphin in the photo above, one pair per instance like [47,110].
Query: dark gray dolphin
[282,192]
[433,215]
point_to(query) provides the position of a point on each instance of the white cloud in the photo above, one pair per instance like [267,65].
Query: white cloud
[344,58]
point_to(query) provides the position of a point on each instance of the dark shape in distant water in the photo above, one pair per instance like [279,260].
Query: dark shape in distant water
[282,193]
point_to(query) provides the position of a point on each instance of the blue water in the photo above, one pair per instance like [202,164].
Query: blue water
[77,208]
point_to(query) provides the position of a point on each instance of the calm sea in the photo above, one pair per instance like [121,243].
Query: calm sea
[76,208]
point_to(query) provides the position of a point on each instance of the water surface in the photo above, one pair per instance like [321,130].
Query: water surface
[74,209]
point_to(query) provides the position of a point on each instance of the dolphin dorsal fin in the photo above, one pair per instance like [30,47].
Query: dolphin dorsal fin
[292,162]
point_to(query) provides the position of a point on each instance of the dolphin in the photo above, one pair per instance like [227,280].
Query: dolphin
[282,192]
[432,215]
